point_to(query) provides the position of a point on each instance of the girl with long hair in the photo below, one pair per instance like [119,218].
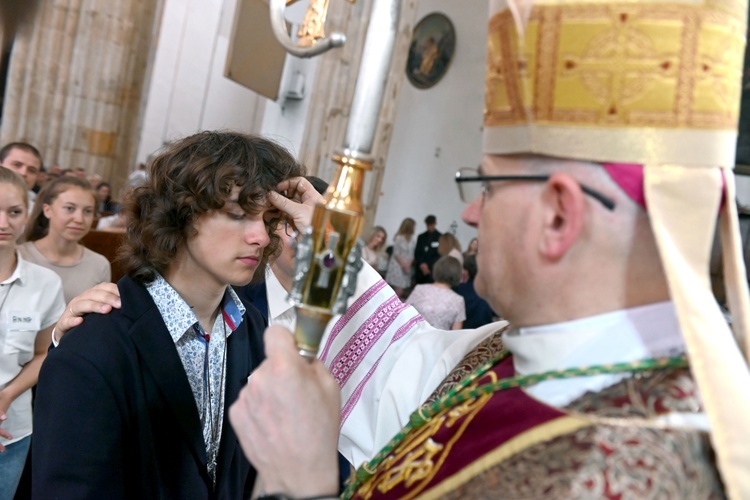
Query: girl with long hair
[449,245]
[63,215]
[374,250]
[399,274]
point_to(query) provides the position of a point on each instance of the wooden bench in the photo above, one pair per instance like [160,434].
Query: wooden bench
[108,244]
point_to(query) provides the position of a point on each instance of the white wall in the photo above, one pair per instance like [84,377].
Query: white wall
[188,91]
[284,119]
[182,92]
[438,130]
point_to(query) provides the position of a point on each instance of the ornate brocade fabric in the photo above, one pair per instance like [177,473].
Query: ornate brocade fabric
[640,81]
[602,461]
[642,64]
[508,445]
[482,353]
[620,456]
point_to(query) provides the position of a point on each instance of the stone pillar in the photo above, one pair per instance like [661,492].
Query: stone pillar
[333,90]
[76,81]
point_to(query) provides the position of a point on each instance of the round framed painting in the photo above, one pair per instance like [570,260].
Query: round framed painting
[431,50]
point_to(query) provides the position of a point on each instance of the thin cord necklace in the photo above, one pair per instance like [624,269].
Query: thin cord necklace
[208,406]
[209,413]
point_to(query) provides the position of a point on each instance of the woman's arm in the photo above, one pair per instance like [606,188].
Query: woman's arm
[405,264]
[28,375]
[25,379]
[458,324]
[100,299]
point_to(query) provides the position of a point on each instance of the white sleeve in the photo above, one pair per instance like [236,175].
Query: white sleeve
[387,361]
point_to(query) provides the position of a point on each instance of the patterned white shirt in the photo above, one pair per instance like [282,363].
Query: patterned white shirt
[187,334]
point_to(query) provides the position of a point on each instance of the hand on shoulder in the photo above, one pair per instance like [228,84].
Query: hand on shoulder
[99,299]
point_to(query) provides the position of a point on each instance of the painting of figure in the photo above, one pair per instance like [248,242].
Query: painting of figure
[431,50]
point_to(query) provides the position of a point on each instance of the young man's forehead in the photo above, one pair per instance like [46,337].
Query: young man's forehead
[263,206]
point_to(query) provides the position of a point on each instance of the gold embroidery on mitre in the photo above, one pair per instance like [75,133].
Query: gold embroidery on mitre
[616,65]
[419,457]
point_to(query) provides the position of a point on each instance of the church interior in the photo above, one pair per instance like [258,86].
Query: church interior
[101,86]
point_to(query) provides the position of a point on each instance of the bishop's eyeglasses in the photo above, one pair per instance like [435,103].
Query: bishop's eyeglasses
[471,185]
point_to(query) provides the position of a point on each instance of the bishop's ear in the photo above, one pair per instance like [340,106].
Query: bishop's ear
[563,213]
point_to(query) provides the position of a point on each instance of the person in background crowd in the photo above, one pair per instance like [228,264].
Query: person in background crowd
[472,248]
[41,180]
[449,245]
[95,179]
[31,303]
[438,304]
[105,204]
[426,251]
[62,216]
[399,274]
[117,221]
[137,177]
[25,160]
[478,311]
[374,250]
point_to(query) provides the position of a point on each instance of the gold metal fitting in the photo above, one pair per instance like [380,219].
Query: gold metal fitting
[351,161]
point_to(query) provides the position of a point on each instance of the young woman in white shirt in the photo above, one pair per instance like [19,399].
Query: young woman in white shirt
[31,301]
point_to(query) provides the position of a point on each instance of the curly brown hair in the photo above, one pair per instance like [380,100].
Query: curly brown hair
[191,177]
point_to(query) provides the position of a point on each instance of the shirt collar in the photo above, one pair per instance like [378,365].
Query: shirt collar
[19,273]
[232,309]
[179,317]
[619,336]
[276,295]
[628,335]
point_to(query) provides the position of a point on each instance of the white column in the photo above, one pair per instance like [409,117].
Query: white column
[76,82]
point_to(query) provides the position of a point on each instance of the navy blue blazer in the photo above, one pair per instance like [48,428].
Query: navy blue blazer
[115,415]
[478,311]
[255,294]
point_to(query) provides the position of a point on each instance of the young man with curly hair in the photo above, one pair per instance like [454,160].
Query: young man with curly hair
[142,393]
